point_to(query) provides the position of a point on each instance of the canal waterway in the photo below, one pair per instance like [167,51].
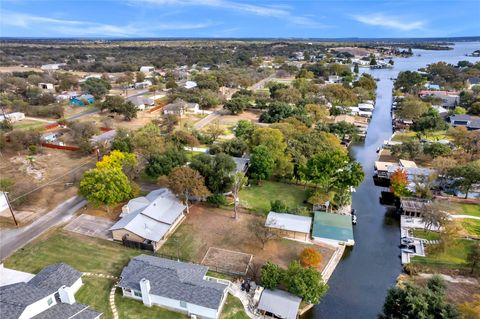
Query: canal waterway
[360,282]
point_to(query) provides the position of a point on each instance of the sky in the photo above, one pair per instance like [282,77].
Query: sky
[239,18]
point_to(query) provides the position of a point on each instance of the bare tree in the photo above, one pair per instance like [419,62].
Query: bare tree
[262,233]
[435,215]
[239,180]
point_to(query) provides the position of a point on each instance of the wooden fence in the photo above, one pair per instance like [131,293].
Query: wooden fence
[61,147]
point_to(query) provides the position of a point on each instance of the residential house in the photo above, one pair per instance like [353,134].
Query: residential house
[361,123]
[104,139]
[147,69]
[138,101]
[51,67]
[413,207]
[46,87]
[12,117]
[175,285]
[11,276]
[180,107]
[289,225]
[149,219]
[50,294]
[450,99]
[470,122]
[241,164]
[190,85]
[333,229]
[334,79]
[82,100]
[279,304]
[474,81]
[143,85]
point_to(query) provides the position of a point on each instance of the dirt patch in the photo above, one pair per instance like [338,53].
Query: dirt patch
[231,120]
[212,227]
[222,260]
[457,292]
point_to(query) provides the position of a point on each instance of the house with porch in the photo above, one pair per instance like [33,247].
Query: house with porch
[150,219]
[50,294]
[178,286]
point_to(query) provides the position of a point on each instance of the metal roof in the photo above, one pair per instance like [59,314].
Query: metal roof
[301,224]
[280,303]
[173,279]
[332,226]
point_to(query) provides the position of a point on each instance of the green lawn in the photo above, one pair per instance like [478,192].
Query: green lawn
[467,209]
[233,309]
[428,235]
[95,293]
[472,226]
[258,197]
[132,309]
[453,257]
[85,254]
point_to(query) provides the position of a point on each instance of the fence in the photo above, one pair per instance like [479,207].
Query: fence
[137,245]
[159,105]
[61,147]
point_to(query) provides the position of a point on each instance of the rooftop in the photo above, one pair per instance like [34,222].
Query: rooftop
[332,226]
[280,303]
[173,279]
[296,223]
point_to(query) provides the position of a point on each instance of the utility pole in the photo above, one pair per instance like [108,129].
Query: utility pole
[10,207]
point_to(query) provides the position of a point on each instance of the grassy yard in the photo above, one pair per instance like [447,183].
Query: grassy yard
[133,309]
[81,252]
[258,197]
[454,255]
[467,209]
[95,293]
[428,235]
[233,309]
[472,226]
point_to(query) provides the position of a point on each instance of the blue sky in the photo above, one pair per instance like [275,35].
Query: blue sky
[239,18]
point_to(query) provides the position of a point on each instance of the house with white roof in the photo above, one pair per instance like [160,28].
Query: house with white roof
[149,219]
[289,225]
[147,69]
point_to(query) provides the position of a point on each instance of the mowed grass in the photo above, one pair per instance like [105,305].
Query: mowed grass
[133,309]
[455,255]
[95,293]
[472,226]
[258,197]
[467,209]
[83,253]
[428,235]
[233,309]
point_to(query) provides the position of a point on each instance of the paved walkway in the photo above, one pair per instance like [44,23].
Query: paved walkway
[235,290]
[206,120]
[464,216]
[112,291]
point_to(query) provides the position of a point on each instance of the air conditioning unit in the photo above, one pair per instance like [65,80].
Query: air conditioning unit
[193,317]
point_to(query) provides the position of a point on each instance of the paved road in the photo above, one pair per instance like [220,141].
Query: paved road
[87,112]
[14,239]
[206,120]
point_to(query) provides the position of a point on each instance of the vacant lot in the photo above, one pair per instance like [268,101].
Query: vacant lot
[258,197]
[86,254]
[208,227]
[454,256]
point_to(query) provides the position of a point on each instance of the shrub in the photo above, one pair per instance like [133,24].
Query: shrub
[310,257]
[271,275]
[278,206]
[217,200]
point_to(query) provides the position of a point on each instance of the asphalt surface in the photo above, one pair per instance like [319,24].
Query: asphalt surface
[14,239]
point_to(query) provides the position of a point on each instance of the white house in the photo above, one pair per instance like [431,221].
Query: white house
[50,67]
[147,69]
[48,295]
[13,117]
[178,286]
[190,85]
[180,107]
[47,87]
[143,85]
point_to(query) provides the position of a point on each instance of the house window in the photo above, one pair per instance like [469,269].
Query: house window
[50,301]
[183,304]
[137,293]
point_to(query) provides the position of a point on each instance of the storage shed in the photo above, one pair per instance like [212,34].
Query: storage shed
[290,226]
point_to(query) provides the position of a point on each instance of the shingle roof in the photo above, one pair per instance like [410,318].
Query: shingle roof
[15,298]
[66,311]
[51,278]
[280,303]
[172,279]
[289,222]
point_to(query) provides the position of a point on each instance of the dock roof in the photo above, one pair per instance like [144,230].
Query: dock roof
[332,226]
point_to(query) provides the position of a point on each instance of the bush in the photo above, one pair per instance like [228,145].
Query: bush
[310,257]
[278,206]
[217,200]
[271,275]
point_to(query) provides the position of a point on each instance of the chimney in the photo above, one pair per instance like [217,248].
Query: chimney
[125,210]
[145,289]
[66,295]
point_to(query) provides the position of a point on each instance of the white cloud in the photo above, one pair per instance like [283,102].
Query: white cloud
[275,11]
[382,20]
[87,28]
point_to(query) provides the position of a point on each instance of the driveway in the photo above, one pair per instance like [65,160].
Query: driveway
[92,226]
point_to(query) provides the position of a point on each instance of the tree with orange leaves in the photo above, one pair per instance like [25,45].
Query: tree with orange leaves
[399,183]
[310,257]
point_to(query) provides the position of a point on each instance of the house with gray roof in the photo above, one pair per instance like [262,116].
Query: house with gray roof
[174,285]
[289,225]
[149,219]
[49,294]
[279,304]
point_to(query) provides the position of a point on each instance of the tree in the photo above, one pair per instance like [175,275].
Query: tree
[214,130]
[148,140]
[355,68]
[306,283]
[279,206]
[431,120]
[237,105]
[310,257]
[399,183]
[470,310]
[185,183]
[243,129]
[262,233]
[117,104]
[271,275]
[107,186]
[162,164]
[412,108]
[466,175]
[409,81]
[473,257]
[217,171]
[239,181]
[97,87]
[367,82]
[411,301]
[437,149]
[235,147]
[262,163]
[408,149]
[128,110]
[123,141]
[434,215]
